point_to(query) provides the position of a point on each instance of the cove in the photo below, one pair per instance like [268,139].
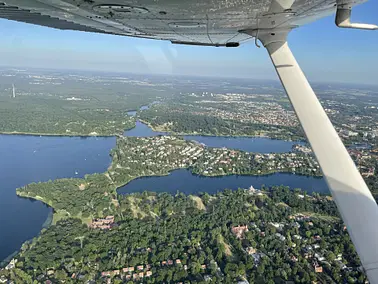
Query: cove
[184,181]
[248,144]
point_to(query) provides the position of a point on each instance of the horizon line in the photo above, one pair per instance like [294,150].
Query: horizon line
[276,80]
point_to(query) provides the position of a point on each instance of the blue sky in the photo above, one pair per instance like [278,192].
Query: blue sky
[325,52]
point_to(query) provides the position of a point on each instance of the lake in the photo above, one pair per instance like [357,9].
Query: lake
[142,130]
[134,112]
[184,181]
[248,144]
[25,159]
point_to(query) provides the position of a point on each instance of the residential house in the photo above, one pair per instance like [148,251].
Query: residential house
[106,273]
[281,237]
[102,223]
[251,250]
[318,269]
[239,231]
[148,273]
[11,264]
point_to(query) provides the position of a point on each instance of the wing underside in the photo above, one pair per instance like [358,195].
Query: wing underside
[206,22]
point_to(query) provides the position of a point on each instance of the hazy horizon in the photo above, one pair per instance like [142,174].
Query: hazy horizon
[115,72]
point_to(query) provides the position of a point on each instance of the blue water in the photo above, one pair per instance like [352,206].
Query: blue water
[248,144]
[186,182]
[26,159]
[134,112]
[142,130]
[145,107]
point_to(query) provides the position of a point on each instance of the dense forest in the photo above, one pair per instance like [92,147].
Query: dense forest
[91,196]
[159,118]
[288,233]
[67,104]
[44,117]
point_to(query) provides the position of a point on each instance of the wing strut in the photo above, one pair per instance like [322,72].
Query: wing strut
[353,198]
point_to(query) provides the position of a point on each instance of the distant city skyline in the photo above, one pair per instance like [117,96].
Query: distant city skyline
[325,52]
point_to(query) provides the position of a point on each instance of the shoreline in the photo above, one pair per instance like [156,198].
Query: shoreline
[36,134]
[46,224]
[118,186]
[213,176]
[56,134]
[213,135]
[56,215]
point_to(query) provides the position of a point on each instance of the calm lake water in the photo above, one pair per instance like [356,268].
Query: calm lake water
[142,130]
[184,181]
[26,159]
[248,144]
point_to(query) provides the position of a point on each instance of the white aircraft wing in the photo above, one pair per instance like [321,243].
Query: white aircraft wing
[202,22]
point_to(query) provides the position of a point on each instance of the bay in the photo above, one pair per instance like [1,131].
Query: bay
[248,144]
[184,181]
[25,159]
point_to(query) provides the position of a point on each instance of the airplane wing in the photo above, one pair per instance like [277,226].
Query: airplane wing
[201,22]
